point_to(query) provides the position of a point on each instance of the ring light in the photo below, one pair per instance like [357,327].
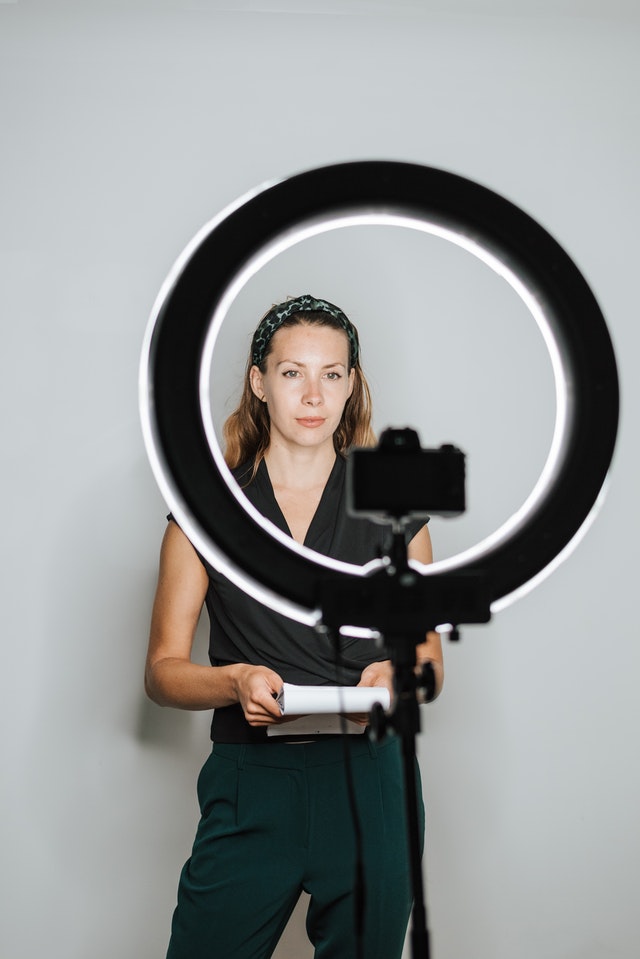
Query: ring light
[176,368]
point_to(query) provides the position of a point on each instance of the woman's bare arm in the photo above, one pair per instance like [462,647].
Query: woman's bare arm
[171,679]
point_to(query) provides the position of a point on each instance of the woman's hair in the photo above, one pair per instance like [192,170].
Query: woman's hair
[247,429]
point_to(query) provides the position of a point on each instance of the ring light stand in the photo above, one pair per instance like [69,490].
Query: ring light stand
[188,464]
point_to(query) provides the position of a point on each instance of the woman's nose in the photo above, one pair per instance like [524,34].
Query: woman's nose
[312,394]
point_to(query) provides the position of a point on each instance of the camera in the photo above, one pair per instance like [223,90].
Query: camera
[398,479]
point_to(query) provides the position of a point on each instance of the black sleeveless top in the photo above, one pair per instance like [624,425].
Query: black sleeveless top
[245,631]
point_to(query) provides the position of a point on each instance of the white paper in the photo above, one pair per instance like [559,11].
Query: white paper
[319,708]
[303,700]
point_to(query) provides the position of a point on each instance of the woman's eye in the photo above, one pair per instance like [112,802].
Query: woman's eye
[333,376]
[290,373]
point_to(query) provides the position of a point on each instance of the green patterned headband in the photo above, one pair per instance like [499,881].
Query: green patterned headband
[303,304]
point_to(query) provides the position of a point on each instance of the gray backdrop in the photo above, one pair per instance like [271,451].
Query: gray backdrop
[125,127]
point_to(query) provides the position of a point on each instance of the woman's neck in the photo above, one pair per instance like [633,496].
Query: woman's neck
[300,469]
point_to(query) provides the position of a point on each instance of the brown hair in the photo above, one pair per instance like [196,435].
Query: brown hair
[247,429]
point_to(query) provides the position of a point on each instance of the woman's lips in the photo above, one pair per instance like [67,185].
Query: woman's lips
[310,421]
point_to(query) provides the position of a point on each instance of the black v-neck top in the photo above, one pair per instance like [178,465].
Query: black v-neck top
[245,631]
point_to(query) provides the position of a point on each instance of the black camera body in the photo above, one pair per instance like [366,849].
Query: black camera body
[399,480]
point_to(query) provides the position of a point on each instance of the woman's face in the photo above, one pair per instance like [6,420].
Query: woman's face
[306,384]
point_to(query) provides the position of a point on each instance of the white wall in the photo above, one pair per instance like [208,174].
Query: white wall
[124,128]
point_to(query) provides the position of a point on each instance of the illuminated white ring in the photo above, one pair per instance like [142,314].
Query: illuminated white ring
[175,372]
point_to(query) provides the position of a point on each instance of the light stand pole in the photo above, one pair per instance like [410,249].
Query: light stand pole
[404,606]
[405,721]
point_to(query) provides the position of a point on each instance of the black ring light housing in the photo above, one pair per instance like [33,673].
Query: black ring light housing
[190,472]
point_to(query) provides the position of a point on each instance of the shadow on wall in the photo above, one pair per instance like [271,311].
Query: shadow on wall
[166,728]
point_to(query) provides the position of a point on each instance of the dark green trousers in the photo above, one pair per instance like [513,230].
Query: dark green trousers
[276,821]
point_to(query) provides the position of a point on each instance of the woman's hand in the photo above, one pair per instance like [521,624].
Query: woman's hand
[378,674]
[375,674]
[381,674]
[256,690]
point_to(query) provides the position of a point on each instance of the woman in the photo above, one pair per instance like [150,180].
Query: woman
[275,811]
